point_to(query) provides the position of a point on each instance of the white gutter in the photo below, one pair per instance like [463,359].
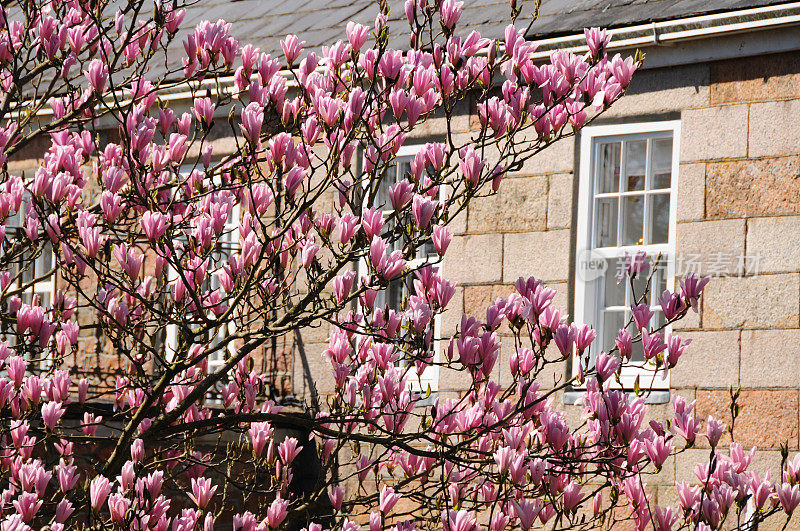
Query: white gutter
[690,28]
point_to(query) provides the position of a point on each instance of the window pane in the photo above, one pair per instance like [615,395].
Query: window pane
[606,229]
[639,285]
[44,299]
[427,250]
[613,320]
[658,320]
[608,172]
[660,278]
[632,219]
[635,157]
[404,166]
[45,261]
[382,197]
[614,292]
[662,163]
[394,295]
[659,218]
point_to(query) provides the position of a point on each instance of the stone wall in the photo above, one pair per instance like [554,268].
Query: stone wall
[739,194]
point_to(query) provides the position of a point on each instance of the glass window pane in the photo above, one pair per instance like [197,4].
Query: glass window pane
[662,163]
[659,218]
[427,250]
[45,262]
[613,320]
[396,241]
[382,197]
[632,220]
[606,228]
[658,319]
[635,158]
[394,295]
[614,292]
[639,285]
[608,171]
[404,169]
[660,278]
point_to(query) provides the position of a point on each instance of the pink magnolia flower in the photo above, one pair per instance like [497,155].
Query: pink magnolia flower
[584,337]
[293,179]
[761,489]
[572,496]
[622,69]
[99,489]
[652,345]
[51,414]
[203,110]
[16,366]
[154,224]
[348,225]
[423,209]
[471,165]
[658,450]
[596,40]
[357,35]
[461,520]
[343,284]
[83,389]
[252,120]
[97,74]
[288,450]
[377,253]
[675,348]
[67,477]
[789,496]
[665,518]
[564,338]
[714,430]
[27,505]
[202,491]
[260,434]
[118,506]
[606,365]
[450,12]
[642,315]
[400,194]
[137,450]
[624,344]
[63,510]
[441,239]
[292,48]
[277,512]
[527,510]
[387,499]
[691,288]
[371,222]
[336,494]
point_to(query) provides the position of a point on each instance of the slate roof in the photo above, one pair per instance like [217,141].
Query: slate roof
[265,22]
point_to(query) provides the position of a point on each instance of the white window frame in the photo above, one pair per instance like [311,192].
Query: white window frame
[430,376]
[231,232]
[42,287]
[586,222]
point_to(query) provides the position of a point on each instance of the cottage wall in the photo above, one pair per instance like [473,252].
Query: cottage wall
[738,195]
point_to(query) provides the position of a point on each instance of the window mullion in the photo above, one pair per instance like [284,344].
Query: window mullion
[648,170]
[622,177]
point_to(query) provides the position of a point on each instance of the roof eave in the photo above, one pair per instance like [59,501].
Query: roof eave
[682,29]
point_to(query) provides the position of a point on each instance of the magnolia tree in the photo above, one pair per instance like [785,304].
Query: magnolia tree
[132,241]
